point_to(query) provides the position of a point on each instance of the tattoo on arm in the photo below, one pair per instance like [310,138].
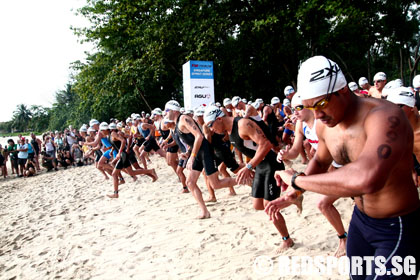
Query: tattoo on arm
[384,151]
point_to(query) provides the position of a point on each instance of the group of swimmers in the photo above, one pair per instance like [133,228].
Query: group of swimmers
[364,148]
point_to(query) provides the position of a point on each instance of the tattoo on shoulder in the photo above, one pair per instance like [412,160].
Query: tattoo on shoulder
[250,124]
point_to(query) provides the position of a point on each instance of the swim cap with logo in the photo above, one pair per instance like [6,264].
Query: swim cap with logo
[319,76]
[103,126]
[390,86]
[275,100]
[379,76]
[91,129]
[227,101]
[256,104]
[352,86]
[288,90]
[83,129]
[112,126]
[172,105]
[235,101]
[402,95]
[93,122]
[211,113]
[286,102]
[363,81]
[199,111]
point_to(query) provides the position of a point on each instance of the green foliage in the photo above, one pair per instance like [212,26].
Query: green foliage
[256,47]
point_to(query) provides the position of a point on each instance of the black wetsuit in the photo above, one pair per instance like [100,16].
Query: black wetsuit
[264,184]
[123,162]
[222,152]
[165,135]
[273,126]
[205,155]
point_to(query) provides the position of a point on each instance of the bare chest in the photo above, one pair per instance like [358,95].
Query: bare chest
[345,146]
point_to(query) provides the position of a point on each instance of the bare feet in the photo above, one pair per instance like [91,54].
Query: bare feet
[211,199]
[185,190]
[134,178]
[232,191]
[298,203]
[341,250]
[285,245]
[106,177]
[121,181]
[115,195]
[154,175]
[204,215]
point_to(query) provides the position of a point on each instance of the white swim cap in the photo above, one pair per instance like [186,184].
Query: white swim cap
[296,100]
[286,102]
[390,86]
[83,129]
[112,126]
[235,101]
[147,115]
[91,129]
[182,110]
[128,120]
[157,111]
[402,95]
[93,122]
[379,76]
[244,100]
[103,126]
[399,82]
[319,76]
[189,111]
[119,125]
[211,113]
[199,111]
[249,102]
[218,104]
[275,100]
[363,81]
[260,100]
[227,101]
[172,105]
[256,104]
[416,81]
[352,86]
[288,90]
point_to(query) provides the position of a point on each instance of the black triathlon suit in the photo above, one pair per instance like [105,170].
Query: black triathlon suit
[165,135]
[123,162]
[222,152]
[264,184]
[205,155]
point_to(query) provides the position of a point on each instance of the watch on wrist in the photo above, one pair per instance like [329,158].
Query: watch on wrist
[296,187]
[249,166]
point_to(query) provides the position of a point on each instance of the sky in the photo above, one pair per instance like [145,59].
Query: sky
[36,50]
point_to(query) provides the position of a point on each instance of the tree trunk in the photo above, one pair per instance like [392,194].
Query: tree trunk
[142,96]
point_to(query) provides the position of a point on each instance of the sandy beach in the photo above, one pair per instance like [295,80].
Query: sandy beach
[61,225]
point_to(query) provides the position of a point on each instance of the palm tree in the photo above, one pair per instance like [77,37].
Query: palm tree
[21,117]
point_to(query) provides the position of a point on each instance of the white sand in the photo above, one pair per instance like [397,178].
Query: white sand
[61,225]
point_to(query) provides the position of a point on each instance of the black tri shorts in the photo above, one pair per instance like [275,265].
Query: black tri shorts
[205,159]
[264,184]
